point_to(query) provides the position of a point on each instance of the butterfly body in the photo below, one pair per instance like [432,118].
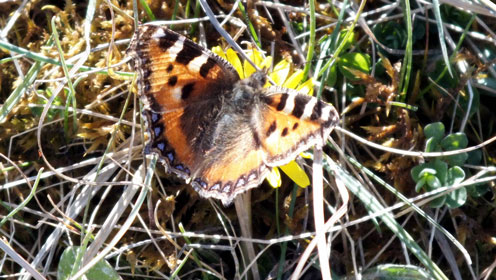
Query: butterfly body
[212,128]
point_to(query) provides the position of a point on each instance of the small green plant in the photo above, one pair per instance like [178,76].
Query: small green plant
[43,96]
[443,171]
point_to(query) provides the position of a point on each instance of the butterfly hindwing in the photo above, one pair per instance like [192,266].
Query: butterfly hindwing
[231,174]
[292,123]
[167,139]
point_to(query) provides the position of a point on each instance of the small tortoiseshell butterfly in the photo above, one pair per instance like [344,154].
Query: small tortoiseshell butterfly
[219,132]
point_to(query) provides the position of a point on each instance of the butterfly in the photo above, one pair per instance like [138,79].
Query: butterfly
[221,133]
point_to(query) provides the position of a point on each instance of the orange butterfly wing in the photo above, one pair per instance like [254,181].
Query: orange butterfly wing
[175,77]
[226,173]
[292,123]
[174,71]
[285,124]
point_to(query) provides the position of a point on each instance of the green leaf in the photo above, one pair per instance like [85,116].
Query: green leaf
[456,198]
[455,141]
[455,175]
[393,271]
[350,41]
[433,182]
[415,172]
[456,160]
[478,190]
[101,271]
[442,170]
[418,31]
[424,173]
[333,75]
[357,61]
[438,202]
[419,184]
[432,145]
[453,14]
[434,130]
[441,77]
[391,34]
[474,157]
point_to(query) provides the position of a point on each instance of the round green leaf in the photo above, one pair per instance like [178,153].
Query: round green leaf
[458,159]
[454,141]
[456,198]
[434,130]
[433,182]
[455,175]
[415,172]
[432,145]
[441,170]
[438,202]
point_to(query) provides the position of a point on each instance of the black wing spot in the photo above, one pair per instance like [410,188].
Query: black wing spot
[168,41]
[172,81]
[205,68]
[186,91]
[284,132]
[295,125]
[299,106]
[187,54]
[272,128]
[170,68]
[282,102]
[317,111]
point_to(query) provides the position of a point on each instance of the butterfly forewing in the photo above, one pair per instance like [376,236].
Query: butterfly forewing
[173,71]
[180,84]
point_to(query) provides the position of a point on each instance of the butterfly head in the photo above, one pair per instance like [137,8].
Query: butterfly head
[246,92]
[257,80]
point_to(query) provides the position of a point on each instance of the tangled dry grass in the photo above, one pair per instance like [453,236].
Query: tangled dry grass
[78,197]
